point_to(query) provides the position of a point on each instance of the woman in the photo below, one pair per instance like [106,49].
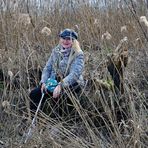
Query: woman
[65,65]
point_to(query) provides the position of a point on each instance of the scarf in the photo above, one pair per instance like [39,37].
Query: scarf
[65,51]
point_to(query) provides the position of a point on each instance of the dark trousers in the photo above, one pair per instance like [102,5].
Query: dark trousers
[36,95]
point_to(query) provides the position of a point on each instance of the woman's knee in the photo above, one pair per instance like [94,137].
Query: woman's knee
[35,93]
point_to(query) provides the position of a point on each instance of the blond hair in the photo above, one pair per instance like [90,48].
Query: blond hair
[76,46]
[76,50]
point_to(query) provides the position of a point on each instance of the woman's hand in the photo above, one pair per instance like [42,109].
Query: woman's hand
[43,88]
[57,91]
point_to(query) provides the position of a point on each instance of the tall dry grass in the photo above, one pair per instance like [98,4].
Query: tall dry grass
[29,30]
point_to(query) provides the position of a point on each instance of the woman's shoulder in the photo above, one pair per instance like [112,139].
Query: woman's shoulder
[56,49]
[78,52]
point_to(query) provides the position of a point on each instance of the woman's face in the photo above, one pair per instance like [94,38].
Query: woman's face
[66,43]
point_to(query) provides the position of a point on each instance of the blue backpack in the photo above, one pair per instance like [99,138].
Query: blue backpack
[51,84]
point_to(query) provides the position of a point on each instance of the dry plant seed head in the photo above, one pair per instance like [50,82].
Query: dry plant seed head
[138,39]
[24,18]
[0,57]
[10,59]
[144,20]
[138,43]
[5,104]
[46,31]
[77,27]
[106,36]
[124,29]
[118,48]
[96,21]
[10,74]
[138,127]
[125,39]
[136,142]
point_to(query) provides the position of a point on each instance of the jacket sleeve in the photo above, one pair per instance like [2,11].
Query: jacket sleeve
[75,71]
[47,69]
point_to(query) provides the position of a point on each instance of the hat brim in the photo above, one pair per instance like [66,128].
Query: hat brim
[67,37]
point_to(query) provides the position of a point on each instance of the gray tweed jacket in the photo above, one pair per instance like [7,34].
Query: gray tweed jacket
[69,67]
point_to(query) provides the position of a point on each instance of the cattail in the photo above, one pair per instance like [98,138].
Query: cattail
[10,74]
[106,36]
[1,56]
[125,39]
[1,142]
[96,21]
[138,127]
[144,20]
[138,39]
[77,27]
[138,43]
[24,18]
[46,31]
[124,29]
[6,104]
[10,59]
